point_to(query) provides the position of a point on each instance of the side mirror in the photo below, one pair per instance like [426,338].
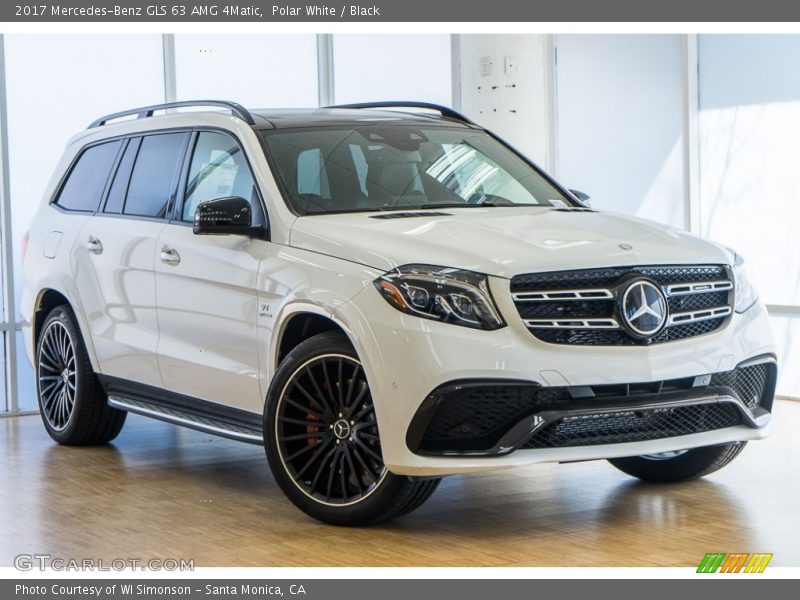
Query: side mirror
[225,216]
[582,197]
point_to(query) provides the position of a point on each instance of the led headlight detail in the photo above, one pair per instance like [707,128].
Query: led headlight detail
[746,295]
[442,294]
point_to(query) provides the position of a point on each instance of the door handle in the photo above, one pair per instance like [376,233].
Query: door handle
[94,245]
[170,256]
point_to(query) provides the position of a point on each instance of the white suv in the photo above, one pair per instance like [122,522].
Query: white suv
[380,298]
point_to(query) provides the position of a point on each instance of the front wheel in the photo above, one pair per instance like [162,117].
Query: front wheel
[671,467]
[322,439]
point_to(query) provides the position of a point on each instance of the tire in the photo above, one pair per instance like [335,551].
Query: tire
[684,466]
[322,441]
[72,403]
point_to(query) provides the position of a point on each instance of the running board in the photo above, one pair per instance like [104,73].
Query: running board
[187,417]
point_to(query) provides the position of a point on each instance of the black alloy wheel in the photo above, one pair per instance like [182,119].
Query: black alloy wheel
[323,442]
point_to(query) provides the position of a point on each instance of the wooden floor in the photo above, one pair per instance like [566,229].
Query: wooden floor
[163,492]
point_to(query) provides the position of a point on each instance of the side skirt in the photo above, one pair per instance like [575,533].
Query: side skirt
[200,415]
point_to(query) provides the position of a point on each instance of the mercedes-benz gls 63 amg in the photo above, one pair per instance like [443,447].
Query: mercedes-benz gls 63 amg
[380,297]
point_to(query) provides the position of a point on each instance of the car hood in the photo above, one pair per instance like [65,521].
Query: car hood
[501,241]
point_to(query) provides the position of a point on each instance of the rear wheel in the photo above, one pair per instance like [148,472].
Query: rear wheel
[682,465]
[323,443]
[72,403]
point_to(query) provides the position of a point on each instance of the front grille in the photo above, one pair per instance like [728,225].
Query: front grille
[582,307]
[618,337]
[634,426]
[595,278]
[474,416]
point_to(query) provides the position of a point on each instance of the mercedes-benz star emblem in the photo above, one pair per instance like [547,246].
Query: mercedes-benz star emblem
[644,308]
[341,429]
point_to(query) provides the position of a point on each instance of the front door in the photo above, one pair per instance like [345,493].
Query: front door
[206,286]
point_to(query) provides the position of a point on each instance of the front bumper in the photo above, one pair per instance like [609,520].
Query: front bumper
[406,358]
[496,418]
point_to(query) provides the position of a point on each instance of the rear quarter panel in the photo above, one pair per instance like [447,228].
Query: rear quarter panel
[48,266]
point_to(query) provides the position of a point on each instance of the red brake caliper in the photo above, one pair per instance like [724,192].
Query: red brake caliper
[312,429]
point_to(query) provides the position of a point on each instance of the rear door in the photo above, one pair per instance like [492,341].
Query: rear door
[78,199]
[116,255]
[206,284]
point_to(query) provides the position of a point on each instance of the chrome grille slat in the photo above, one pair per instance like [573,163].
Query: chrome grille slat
[551,295]
[572,323]
[700,287]
[693,316]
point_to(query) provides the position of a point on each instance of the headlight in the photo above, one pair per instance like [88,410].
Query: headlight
[442,294]
[746,295]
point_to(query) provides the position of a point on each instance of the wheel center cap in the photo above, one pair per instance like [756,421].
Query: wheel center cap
[65,375]
[341,429]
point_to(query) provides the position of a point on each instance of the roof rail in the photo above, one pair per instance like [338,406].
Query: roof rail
[443,110]
[147,111]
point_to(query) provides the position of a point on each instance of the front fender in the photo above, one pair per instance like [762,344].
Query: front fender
[294,281]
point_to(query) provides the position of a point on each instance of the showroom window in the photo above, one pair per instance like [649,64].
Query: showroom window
[45,111]
[749,126]
[401,67]
[4,328]
[257,71]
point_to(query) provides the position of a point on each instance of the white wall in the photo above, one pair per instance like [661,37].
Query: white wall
[749,175]
[620,122]
[392,67]
[505,86]
[257,71]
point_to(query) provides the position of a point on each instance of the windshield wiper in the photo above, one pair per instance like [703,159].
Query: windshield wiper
[489,203]
[439,205]
[432,205]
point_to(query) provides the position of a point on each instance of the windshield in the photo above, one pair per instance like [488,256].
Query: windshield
[391,166]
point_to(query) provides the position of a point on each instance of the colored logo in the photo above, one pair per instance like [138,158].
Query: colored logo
[742,562]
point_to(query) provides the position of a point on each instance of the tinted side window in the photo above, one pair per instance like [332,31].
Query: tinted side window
[84,186]
[154,175]
[119,188]
[218,169]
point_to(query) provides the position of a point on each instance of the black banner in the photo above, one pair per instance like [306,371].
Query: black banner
[399,11]
[419,589]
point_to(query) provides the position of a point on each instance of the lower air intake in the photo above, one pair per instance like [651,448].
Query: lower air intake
[634,426]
